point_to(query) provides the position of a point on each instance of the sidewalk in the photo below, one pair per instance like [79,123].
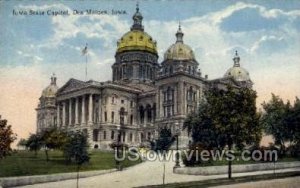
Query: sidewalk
[147,173]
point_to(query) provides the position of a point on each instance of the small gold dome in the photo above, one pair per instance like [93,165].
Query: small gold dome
[179,50]
[51,90]
[237,72]
[137,40]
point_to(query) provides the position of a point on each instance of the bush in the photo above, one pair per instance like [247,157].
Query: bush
[193,161]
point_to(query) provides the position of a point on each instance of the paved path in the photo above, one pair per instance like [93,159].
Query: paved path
[292,182]
[147,173]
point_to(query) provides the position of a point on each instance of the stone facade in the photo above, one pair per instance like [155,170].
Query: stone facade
[143,97]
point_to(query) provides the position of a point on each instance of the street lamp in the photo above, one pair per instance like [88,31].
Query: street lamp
[118,145]
[177,151]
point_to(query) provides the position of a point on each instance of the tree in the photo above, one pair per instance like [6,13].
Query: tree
[275,122]
[165,139]
[227,118]
[7,137]
[53,139]
[293,123]
[199,124]
[34,143]
[22,143]
[282,120]
[75,149]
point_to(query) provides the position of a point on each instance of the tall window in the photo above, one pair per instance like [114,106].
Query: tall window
[149,113]
[142,114]
[130,137]
[95,135]
[105,116]
[122,114]
[131,104]
[112,136]
[131,119]
[112,116]
[104,135]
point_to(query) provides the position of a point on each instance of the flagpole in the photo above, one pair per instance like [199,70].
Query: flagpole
[86,60]
[85,53]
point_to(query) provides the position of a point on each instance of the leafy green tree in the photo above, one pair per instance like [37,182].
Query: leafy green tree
[35,143]
[22,143]
[275,120]
[200,125]
[227,118]
[53,139]
[293,123]
[165,139]
[282,121]
[7,137]
[75,149]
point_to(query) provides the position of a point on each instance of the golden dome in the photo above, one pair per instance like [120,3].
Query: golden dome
[137,40]
[237,72]
[51,90]
[179,50]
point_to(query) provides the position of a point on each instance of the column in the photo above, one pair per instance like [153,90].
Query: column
[161,99]
[175,95]
[70,111]
[100,110]
[83,110]
[181,101]
[64,114]
[76,111]
[58,115]
[90,118]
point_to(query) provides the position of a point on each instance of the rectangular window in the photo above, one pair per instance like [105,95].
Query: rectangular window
[131,104]
[112,117]
[112,136]
[130,137]
[131,119]
[105,116]
[104,135]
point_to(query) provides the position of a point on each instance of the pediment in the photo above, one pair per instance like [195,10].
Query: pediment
[72,85]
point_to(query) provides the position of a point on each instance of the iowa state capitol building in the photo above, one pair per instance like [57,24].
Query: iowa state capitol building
[143,97]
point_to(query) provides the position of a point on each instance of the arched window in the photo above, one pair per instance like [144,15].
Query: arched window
[122,114]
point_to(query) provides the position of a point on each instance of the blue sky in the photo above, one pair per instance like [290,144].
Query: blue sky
[266,34]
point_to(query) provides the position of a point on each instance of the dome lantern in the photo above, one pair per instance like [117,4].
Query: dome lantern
[179,35]
[237,72]
[236,60]
[51,90]
[137,20]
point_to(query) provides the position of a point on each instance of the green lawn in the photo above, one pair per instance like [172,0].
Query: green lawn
[23,163]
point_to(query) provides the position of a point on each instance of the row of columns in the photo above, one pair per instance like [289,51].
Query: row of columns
[62,120]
